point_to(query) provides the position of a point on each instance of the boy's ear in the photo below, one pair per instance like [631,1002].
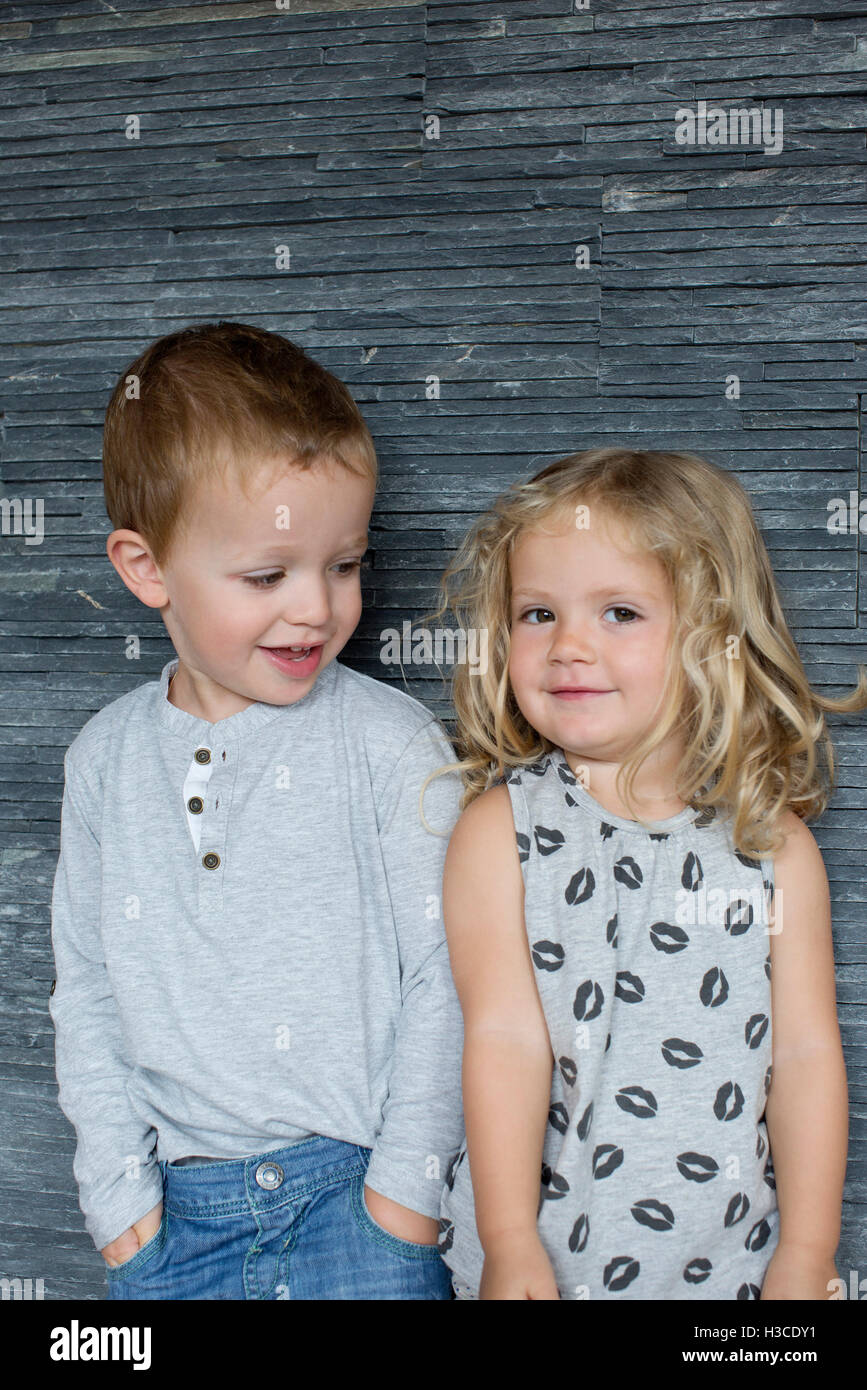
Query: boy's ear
[131,557]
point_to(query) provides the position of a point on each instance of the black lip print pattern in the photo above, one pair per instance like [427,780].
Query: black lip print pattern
[566,774]
[558,1116]
[739,916]
[656,1215]
[729,1102]
[548,955]
[697,1167]
[588,1001]
[580,1234]
[548,841]
[629,988]
[554,1185]
[606,1159]
[746,861]
[455,1163]
[627,872]
[756,1027]
[758,1236]
[668,937]
[697,1271]
[568,1070]
[679,1053]
[580,887]
[620,1273]
[737,1209]
[714,988]
[584,1124]
[665,1078]
[446,1237]
[692,874]
[637,1101]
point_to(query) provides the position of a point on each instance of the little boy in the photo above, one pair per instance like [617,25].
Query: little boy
[258,1039]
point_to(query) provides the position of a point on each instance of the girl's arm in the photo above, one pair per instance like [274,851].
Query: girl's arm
[807,1108]
[507,1060]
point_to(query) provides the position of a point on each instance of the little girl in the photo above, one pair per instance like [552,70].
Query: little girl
[637,916]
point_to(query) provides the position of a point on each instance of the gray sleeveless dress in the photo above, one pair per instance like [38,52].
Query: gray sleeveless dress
[652,962]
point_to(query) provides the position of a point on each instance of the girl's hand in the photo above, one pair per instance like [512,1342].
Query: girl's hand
[130,1241]
[795,1271]
[517,1267]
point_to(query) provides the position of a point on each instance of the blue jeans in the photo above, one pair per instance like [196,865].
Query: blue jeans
[288,1224]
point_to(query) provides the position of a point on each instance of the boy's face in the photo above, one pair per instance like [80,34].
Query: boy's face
[249,579]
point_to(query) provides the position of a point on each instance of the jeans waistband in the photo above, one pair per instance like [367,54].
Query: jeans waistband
[201,1158]
[261,1180]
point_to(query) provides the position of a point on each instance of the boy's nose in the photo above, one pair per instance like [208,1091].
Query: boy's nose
[307,605]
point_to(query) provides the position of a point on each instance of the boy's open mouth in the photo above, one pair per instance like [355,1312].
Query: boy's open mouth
[295,660]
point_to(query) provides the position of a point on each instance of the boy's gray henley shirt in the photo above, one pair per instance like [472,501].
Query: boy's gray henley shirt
[249,941]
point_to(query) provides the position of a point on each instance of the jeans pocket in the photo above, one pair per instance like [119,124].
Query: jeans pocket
[146,1252]
[416,1249]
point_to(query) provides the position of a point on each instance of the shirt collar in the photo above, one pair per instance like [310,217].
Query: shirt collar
[236,726]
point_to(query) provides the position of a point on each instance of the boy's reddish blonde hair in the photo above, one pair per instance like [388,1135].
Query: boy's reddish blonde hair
[217,397]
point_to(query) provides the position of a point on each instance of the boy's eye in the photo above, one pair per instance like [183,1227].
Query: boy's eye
[343,567]
[619,608]
[263,581]
[537,610]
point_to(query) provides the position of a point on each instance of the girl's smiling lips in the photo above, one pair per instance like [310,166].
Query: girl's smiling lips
[569,692]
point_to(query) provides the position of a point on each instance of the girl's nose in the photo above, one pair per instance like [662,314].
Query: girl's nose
[571,642]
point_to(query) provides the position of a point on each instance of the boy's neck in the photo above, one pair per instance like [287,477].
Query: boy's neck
[183,696]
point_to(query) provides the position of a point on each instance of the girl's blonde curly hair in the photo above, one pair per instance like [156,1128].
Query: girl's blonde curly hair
[752,725]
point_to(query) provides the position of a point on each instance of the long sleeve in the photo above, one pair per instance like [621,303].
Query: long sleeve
[118,1178]
[422,1119]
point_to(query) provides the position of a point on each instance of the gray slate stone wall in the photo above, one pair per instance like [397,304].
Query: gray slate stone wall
[417,252]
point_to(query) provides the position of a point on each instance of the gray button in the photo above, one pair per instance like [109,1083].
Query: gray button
[196,805]
[269,1175]
[211,861]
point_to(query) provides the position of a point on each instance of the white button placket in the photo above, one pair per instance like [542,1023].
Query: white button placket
[213,776]
[196,785]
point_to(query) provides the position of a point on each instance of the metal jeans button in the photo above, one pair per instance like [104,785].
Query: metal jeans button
[269,1175]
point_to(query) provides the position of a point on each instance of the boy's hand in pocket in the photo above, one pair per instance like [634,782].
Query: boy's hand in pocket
[129,1242]
[399,1220]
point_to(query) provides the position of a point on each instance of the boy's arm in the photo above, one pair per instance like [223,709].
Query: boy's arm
[422,1125]
[118,1181]
[807,1108]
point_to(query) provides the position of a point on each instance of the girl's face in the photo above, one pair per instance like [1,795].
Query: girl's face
[590,622]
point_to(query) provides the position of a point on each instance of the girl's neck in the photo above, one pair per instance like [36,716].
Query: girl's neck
[651,799]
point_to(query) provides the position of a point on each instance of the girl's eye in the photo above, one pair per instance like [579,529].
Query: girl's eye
[345,567]
[617,608]
[537,610]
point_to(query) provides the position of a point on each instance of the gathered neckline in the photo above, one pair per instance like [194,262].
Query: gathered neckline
[589,803]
